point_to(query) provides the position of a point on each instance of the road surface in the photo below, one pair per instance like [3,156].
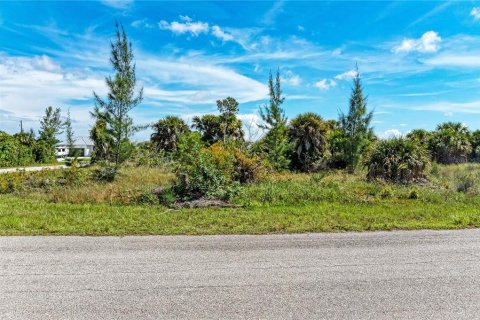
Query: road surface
[384,275]
[39,168]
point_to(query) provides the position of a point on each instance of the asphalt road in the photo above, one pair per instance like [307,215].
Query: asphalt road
[40,168]
[384,275]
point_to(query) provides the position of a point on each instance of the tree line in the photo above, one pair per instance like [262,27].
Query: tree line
[26,148]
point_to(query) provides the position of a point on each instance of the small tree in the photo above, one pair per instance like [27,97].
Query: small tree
[69,134]
[223,127]
[121,98]
[51,126]
[102,141]
[275,143]
[354,126]
[230,125]
[167,133]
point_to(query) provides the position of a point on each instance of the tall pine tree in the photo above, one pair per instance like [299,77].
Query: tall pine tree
[275,144]
[355,125]
[69,134]
[121,98]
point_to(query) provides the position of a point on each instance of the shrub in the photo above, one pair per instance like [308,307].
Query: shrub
[13,152]
[73,176]
[147,198]
[413,194]
[248,169]
[465,182]
[387,192]
[213,172]
[106,172]
[397,160]
[144,154]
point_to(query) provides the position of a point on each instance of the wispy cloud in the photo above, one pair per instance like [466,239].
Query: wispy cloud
[118,4]
[221,34]
[472,107]
[270,16]
[436,10]
[455,60]
[185,26]
[346,75]
[428,42]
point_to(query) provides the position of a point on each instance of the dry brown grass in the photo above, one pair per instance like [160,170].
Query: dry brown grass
[129,185]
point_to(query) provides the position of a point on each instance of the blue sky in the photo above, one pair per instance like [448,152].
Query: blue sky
[420,60]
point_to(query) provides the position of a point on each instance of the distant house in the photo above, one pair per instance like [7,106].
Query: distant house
[82,147]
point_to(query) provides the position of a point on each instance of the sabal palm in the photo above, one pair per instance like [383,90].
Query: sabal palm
[167,133]
[307,133]
[450,143]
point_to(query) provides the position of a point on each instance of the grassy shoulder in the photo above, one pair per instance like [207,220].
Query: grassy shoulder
[45,203]
[31,217]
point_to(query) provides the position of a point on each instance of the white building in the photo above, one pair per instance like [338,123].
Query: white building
[82,147]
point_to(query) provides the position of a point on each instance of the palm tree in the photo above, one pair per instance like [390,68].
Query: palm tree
[167,133]
[450,143]
[397,160]
[307,134]
[214,128]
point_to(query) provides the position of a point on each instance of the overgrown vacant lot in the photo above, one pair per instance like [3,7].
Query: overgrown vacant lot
[50,203]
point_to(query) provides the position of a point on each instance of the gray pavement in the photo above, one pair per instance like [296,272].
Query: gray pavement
[40,168]
[383,275]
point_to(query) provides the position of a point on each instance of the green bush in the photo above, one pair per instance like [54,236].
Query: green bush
[386,193]
[465,182]
[213,172]
[105,172]
[413,193]
[397,160]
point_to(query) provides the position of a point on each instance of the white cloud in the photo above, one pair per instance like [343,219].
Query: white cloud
[118,4]
[391,133]
[30,84]
[475,13]
[143,23]
[270,16]
[449,108]
[222,35]
[291,78]
[187,26]
[337,52]
[325,84]
[455,60]
[346,75]
[428,42]
[191,74]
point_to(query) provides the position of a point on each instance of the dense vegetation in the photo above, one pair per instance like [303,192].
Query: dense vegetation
[310,173]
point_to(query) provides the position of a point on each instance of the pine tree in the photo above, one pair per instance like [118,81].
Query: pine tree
[355,125]
[69,133]
[275,143]
[51,126]
[121,98]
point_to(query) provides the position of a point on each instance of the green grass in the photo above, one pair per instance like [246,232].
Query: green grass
[286,203]
[29,217]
